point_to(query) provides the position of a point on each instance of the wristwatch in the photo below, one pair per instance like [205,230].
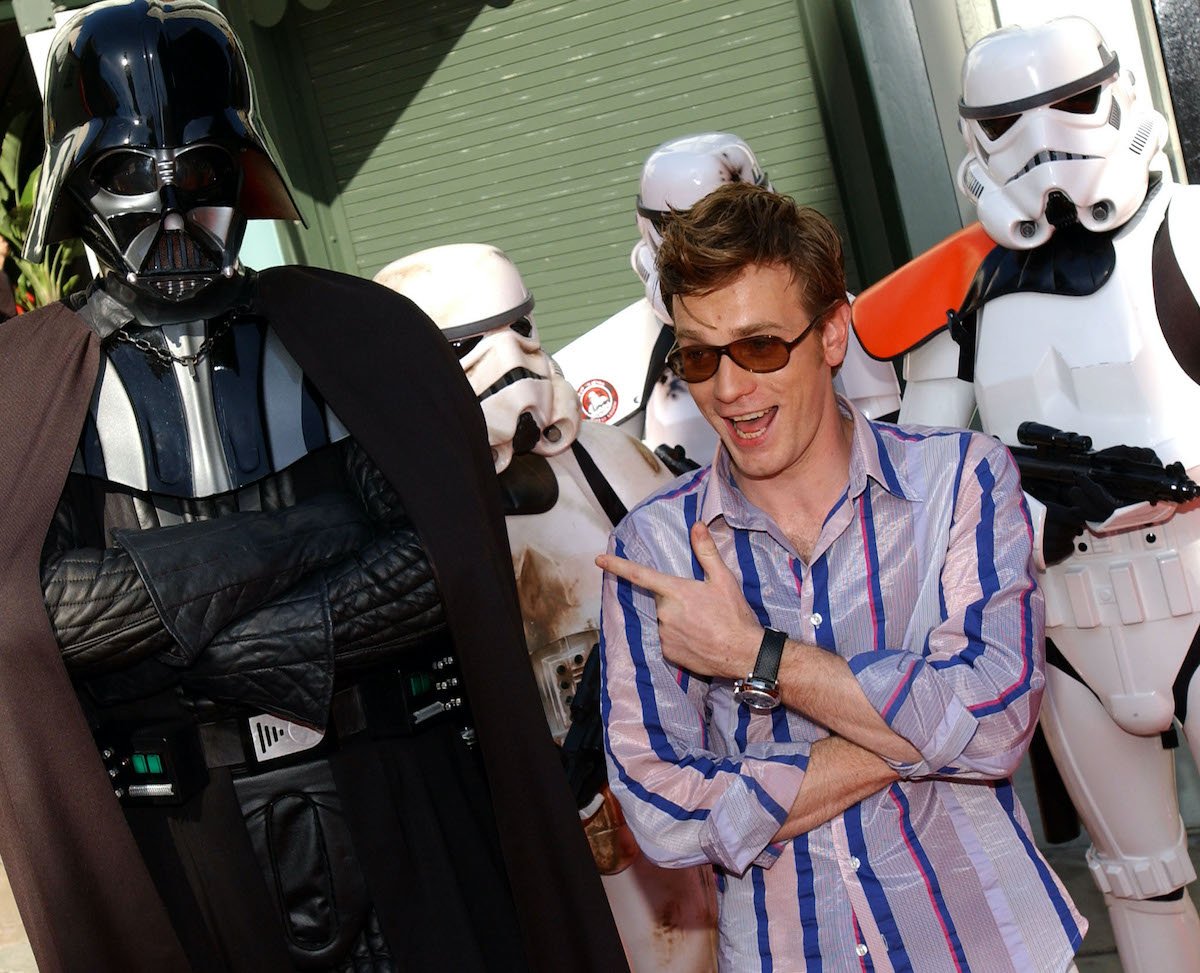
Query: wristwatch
[760,689]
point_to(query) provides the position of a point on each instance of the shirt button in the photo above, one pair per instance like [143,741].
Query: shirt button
[816,619]
[861,949]
[854,862]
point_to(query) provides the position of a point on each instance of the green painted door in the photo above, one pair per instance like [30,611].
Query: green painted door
[524,124]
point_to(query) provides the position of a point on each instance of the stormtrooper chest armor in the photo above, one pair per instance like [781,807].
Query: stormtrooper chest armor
[161,423]
[1097,364]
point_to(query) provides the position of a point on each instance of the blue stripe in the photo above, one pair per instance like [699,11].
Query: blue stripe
[903,694]
[877,901]
[1006,796]
[806,897]
[752,591]
[766,964]
[926,866]
[691,510]
[885,464]
[872,553]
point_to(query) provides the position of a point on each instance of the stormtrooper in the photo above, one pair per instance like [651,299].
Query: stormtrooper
[1081,315]
[262,671]
[619,367]
[565,483]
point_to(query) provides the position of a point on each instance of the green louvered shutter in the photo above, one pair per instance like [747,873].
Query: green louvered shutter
[525,125]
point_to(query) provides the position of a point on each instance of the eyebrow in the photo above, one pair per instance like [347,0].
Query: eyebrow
[742,331]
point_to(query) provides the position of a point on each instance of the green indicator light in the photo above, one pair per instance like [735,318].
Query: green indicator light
[419,684]
[154,763]
[139,763]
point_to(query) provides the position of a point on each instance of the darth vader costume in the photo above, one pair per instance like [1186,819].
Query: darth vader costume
[266,704]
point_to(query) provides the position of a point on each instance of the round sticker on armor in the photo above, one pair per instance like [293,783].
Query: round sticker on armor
[598,399]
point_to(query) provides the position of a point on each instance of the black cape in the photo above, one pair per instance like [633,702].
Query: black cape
[84,894]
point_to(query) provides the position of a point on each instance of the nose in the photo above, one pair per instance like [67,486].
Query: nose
[731,381]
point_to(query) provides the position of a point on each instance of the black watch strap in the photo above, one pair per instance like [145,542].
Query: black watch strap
[770,651]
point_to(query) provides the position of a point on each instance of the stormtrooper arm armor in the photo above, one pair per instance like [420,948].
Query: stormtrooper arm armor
[933,393]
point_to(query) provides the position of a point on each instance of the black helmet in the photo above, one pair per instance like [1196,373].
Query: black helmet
[154,153]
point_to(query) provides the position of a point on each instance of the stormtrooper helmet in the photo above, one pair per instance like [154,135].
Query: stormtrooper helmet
[476,296]
[1055,135]
[154,154]
[676,176]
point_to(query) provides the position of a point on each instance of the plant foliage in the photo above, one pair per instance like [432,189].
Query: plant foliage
[41,283]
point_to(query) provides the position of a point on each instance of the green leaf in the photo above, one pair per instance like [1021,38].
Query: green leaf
[29,193]
[10,150]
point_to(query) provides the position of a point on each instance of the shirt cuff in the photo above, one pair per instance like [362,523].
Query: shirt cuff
[739,831]
[916,705]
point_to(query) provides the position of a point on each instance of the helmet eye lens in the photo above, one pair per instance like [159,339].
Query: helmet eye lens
[202,169]
[993,128]
[466,345]
[126,174]
[523,327]
[1084,103]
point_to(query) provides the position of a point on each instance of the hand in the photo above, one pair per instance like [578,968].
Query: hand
[705,627]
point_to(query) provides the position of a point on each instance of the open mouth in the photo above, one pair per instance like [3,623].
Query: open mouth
[512,376]
[1051,155]
[751,425]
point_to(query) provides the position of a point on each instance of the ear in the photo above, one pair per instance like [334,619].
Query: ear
[835,335]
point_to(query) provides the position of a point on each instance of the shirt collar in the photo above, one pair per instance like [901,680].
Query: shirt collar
[869,459]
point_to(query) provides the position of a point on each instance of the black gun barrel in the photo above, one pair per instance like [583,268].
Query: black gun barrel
[1048,437]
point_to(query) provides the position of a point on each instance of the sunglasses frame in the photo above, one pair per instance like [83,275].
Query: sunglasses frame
[727,349]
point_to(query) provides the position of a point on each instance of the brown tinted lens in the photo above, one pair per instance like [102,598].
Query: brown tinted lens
[694,364]
[760,353]
[1084,103]
[993,128]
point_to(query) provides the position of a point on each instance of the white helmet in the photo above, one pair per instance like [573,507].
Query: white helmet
[476,296]
[1054,133]
[676,176]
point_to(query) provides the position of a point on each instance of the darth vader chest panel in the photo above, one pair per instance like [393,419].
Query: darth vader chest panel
[197,409]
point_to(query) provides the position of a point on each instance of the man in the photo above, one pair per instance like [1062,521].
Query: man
[824,693]
[266,705]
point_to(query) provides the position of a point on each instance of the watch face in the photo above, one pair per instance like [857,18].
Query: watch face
[757,696]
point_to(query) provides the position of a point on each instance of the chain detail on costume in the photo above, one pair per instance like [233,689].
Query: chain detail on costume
[188,361]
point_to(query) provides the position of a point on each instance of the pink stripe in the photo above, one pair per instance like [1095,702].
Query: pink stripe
[903,682]
[858,938]
[928,887]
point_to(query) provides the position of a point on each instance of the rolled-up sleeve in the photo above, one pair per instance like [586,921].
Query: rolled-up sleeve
[685,803]
[968,701]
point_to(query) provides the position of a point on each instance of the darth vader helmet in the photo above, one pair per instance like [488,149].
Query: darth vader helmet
[154,153]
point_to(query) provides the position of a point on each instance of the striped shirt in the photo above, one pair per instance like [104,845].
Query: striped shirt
[921,579]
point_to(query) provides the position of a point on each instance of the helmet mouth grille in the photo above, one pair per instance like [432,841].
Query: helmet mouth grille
[178,288]
[176,252]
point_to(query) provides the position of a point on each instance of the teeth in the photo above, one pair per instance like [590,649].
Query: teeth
[749,416]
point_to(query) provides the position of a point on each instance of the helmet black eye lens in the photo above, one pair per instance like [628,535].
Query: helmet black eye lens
[993,128]
[523,327]
[125,174]
[466,345]
[1084,103]
[203,168]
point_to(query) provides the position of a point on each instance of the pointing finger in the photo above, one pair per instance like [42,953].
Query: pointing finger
[639,574]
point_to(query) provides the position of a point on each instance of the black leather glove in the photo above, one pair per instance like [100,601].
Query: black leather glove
[1069,509]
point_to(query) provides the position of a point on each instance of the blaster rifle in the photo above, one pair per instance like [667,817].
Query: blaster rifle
[1056,456]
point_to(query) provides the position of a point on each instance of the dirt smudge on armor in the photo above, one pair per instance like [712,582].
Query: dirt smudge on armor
[547,596]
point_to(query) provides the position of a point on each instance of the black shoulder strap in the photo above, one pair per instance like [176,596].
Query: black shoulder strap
[1174,302]
[605,494]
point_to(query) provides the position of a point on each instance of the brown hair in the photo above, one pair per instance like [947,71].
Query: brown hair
[739,225]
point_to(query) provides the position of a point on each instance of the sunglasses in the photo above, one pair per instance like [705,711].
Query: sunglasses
[759,353]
